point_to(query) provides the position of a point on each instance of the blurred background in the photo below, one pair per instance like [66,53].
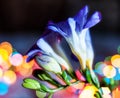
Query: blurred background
[23,21]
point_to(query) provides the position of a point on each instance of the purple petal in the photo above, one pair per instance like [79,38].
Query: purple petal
[32,54]
[62,27]
[96,18]
[80,18]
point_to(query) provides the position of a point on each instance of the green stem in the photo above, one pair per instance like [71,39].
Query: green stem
[55,90]
[50,95]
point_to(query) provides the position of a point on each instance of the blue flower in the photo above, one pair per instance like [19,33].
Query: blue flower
[51,53]
[76,32]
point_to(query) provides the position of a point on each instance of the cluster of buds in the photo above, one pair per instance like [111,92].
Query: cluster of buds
[12,65]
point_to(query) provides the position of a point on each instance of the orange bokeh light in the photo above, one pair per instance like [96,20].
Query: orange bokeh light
[5,65]
[1,72]
[116,93]
[26,68]
[7,46]
[115,60]
[9,77]
[4,54]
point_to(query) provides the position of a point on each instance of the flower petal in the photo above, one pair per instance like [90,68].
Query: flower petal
[96,18]
[44,46]
[89,52]
[48,63]
[61,27]
[31,54]
[80,18]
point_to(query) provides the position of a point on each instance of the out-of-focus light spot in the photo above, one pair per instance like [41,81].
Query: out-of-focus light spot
[88,92]
[23,71]
[1,72]
[17,68]
[107,96]
[117,76]
[16,59]
[77,88]
[1,59]
[3,88]
[107,80]
[116,93]
[26,73]
[4,54]
[99,67]
[71,89]
[27,65]
[109,71]
[80,85]
[9,77]
[105,90]
[5,65]
[7,46]
[115,60]
[26,68]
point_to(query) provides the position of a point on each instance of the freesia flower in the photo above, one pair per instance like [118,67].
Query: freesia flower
[76,32]
[66,55]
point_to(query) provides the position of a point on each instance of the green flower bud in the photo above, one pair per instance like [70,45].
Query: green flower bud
[48,63]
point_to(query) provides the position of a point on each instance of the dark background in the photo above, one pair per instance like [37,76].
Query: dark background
[23,21]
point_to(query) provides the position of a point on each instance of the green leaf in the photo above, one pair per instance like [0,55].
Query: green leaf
[92,78]
[31,84]
[112,83]
[95,79]
[44,76]
[98,95]
[45,88]
[57,78]
[88,76]
[66,77]
[50,95]
[40,94]
[48,90]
